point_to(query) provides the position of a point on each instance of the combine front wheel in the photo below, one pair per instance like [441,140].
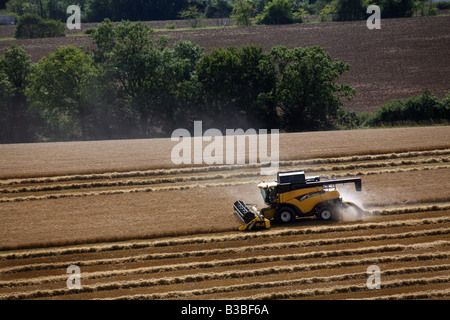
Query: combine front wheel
[285,215]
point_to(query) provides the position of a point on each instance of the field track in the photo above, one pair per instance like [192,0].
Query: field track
[130,242]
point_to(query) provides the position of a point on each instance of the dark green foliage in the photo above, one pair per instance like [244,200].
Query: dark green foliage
[442,5]
[243,11]
[277,12]
[64,85]
[132,85]
[395,8]
[426,108]
[194,15]
[15,120]
[46,9]
[218,9]
[33,26]
[233,82]
[136,10]
[350,10]
[307,93]
[352,119]
[152,81]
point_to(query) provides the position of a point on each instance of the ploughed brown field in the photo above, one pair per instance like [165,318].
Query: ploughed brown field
[140,227]
[400,60]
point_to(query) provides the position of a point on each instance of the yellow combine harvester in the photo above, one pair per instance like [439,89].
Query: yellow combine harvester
[295,195]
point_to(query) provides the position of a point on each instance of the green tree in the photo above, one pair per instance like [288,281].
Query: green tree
[149,78]
[277,12]
[33,26]
[15,68]
[234,84]
[395,8]
[350,10]
[218,9]
[328,12]
[243,11]
[307,94]
[426,108]
[63,85]
[123,50]
[194,15]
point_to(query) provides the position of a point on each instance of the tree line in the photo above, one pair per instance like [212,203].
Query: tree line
[132,84]
[244,11]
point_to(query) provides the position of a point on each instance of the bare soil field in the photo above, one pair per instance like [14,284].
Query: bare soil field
[400,60]
[168,232]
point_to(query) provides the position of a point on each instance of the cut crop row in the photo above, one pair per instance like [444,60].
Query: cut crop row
[281,283]
[198,277]
[347,288]
[190,186]
[140,182]
[201,253]
[228,262]
[223,238]
[190,170]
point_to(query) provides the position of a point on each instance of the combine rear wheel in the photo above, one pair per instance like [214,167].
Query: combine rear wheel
[325,213]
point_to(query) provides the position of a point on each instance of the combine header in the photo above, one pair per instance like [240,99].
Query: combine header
[295,195]
[252,219]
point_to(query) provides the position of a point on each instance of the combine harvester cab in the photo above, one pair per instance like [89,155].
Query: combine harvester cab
[295,195]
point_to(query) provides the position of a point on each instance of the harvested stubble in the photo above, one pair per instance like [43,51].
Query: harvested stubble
[348,288]
[376,255]
[289,163]
[224,275]
[240,174]
[218,251]
[139,155]
[428,294]
[277,284]
[416,244]
[199,253]
[235,182]
[231,237]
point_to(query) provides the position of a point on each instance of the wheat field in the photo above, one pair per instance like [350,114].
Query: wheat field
[160,232]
